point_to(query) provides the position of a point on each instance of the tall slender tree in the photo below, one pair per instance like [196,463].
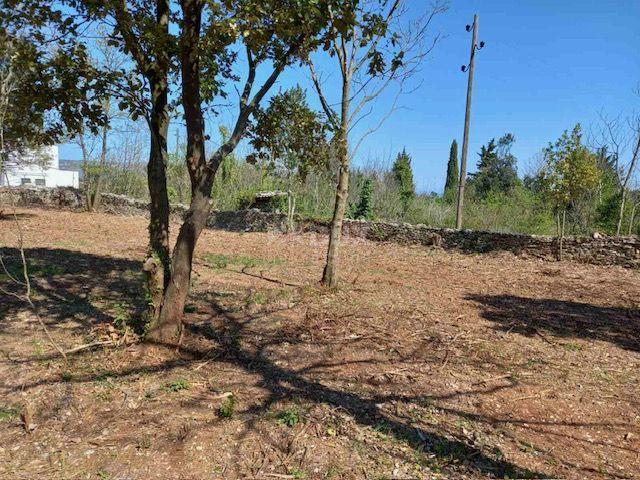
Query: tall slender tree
[453,173]
[404,176]
[373,46]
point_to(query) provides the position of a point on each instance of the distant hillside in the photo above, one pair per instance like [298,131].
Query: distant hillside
[73,165]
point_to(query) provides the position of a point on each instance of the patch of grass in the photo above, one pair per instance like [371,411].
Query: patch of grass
[297,473]
[66,376]
[256,298]
[177,385]
[35,268]
[333,472]
[8,412]
[289,417]
[122,316]
[228,407]
[144,442]
[572,347]
[220,261]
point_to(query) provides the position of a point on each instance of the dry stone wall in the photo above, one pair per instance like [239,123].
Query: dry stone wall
[623,251]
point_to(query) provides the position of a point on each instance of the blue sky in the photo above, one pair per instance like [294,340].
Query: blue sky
[547,65]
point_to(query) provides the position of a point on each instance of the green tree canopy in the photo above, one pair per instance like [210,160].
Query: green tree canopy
[570,169]
[363,210]
[289,136]
[404,176]
[49,87]
[453,172]
[496,167]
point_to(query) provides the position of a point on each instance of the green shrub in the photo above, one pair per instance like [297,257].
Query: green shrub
[228,407]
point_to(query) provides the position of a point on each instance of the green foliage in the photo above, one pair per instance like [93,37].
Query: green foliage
[177,385]
[221,261]
[8,412]
[289,136]
[404,176]
[289,417]
[297,473]
[363,210]
[496,168]
[228,407]
[570,169]
[50,87]
[453,173]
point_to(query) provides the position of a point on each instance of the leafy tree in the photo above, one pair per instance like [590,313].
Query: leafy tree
[363,210]
[496,167]
[404,176]
[203,42]
[289,135]
[370,48]
[291,139]
[569,172]
[453,173]
[270,34]
[49,88]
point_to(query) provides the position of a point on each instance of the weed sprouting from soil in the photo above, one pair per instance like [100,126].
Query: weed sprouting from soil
[177,385]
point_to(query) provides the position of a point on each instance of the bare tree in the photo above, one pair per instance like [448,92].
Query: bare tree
[634,125]
[618,136]
[382,48]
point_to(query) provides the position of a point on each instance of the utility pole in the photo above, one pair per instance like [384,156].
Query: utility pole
[467,118]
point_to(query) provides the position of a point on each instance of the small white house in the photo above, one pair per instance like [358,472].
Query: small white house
[38,169]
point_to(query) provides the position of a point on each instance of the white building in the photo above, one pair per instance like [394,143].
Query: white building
[38,169]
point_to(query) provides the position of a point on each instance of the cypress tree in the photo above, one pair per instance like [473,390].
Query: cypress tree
[453,172]
[404,175]
[364,209]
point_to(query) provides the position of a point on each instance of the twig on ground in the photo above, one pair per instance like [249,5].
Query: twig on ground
[89,345]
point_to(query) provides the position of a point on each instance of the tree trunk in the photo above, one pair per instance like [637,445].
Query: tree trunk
[330,275]
[85,167]
[561,233]
[167,328]
[97,192]
[633,217]
[623,200]
[157,176]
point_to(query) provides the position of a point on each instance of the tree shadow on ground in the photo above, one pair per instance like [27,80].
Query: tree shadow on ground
[70,286]
[561,318]
[6,216]
[285,384]
[227,338]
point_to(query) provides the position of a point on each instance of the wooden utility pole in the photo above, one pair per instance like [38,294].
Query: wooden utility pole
[467,119]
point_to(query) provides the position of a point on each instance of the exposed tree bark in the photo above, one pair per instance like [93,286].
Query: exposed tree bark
[157,75]
[156,175]
[632,218]
[97,191]
[330,273]
[167,327]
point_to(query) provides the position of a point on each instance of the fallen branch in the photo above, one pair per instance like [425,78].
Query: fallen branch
[89,345]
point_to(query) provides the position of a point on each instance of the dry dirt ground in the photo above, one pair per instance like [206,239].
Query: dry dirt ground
[423,364]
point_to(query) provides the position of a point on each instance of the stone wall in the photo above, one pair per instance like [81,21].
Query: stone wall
[624,251]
